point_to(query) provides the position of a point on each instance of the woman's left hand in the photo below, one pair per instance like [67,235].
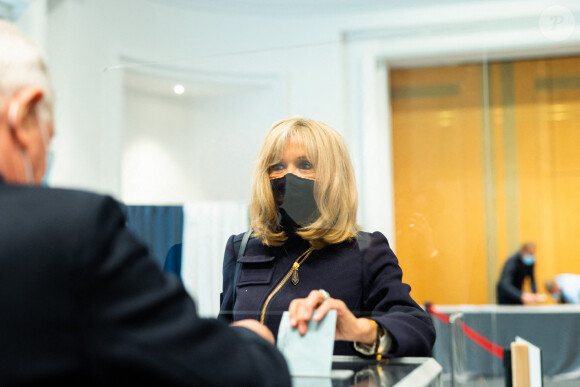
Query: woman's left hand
[348,326]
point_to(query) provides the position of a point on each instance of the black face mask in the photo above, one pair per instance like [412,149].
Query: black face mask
[295,195]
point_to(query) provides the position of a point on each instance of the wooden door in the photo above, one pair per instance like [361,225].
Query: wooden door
[547,95]
[438,173]
[485,157]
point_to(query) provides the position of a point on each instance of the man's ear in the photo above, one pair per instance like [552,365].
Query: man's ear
[21,110]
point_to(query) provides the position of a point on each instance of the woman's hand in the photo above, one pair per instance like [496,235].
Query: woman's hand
[348,326]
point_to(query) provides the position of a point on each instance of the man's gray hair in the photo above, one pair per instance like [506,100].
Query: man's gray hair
[22,65]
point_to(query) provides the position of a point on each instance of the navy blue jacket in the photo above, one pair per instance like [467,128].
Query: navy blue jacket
[368,281]
[83,303]
[513,274]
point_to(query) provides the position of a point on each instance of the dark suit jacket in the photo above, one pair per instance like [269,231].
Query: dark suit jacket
[366,276]
[82,303]
[513,274]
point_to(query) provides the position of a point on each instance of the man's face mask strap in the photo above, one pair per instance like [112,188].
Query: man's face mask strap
[49,154]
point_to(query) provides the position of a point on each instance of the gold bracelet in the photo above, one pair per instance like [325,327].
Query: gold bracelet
[377,343]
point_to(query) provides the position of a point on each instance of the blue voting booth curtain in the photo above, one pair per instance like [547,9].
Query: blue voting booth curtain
[160,228]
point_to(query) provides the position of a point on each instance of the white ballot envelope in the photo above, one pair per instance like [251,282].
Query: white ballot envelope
[308,356]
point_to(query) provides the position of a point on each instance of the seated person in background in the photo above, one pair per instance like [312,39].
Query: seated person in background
[565,288]
[81,301]
[515,270]
[308,256]
[172,263]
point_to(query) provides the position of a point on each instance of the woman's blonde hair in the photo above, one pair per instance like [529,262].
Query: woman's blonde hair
[334,188]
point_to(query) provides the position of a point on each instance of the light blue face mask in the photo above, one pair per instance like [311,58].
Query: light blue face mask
[49,162]
[528,259]
[49,155]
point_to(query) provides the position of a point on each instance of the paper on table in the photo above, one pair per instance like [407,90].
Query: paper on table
[309,355]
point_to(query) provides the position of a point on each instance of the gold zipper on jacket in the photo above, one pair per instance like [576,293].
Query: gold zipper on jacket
[294,269]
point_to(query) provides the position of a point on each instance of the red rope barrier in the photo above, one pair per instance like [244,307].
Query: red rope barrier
[484,343]
[443,317]
[476,337]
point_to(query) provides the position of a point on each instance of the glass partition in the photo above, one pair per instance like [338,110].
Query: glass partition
[463,140]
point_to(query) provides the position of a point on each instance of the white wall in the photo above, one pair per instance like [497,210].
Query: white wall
[84,52]
[325,65]
[191,148]
[154,145]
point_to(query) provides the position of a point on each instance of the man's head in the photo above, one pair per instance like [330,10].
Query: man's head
[528,253]
[528,248]
[26,106]
[552,287]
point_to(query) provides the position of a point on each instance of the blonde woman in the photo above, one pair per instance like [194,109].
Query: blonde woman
[307,255]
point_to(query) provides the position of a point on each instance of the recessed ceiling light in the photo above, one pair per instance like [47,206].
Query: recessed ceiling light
[178,89]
